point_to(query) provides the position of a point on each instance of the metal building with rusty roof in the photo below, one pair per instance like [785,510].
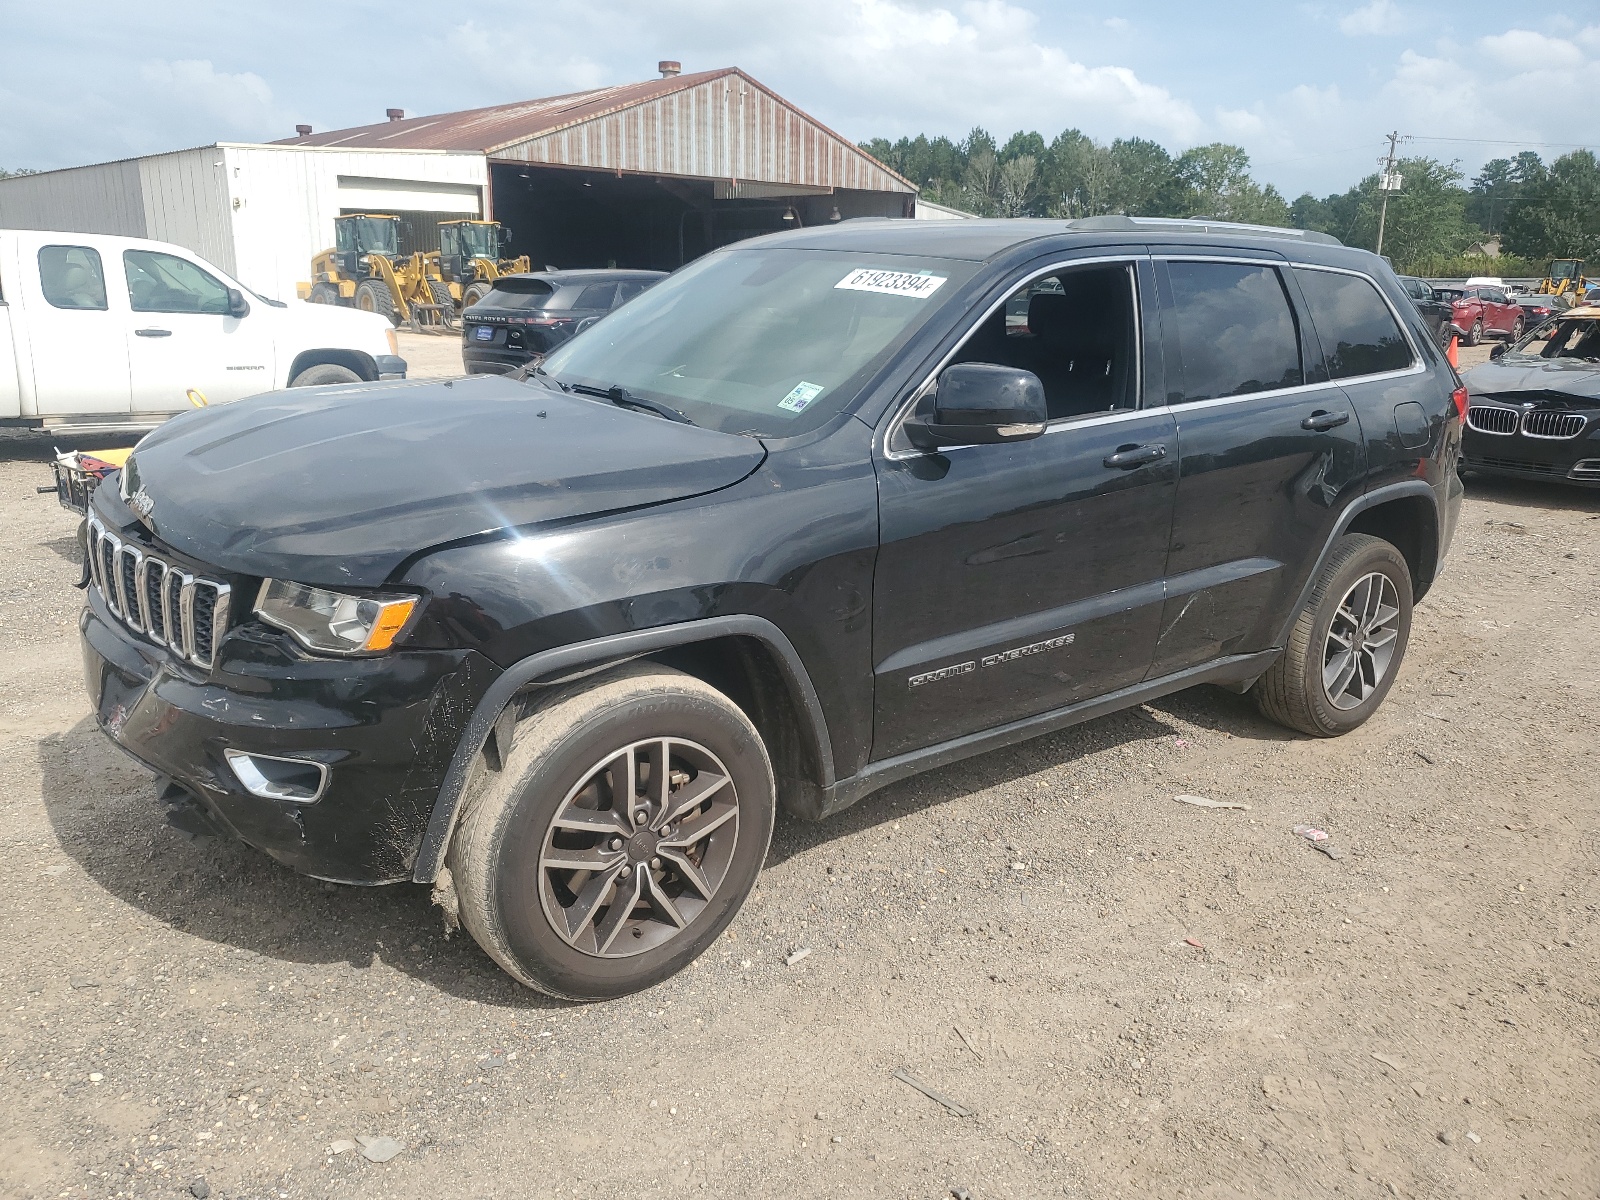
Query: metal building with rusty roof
[648,174]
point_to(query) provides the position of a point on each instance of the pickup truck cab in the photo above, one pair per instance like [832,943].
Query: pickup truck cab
[811,515]
[99,332]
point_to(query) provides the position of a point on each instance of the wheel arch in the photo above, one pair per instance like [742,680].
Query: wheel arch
[748,658]
[1402,514]
[360,362]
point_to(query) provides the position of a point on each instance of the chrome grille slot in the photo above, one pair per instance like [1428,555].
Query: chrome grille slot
[186,613]
[1589,468]
[1548,423]
[1487,419]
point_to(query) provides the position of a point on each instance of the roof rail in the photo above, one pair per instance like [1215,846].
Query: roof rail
[1115,224]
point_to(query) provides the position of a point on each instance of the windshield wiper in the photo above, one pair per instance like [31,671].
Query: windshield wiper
[623,398]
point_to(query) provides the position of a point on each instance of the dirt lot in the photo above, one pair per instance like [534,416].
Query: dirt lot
[1133,997]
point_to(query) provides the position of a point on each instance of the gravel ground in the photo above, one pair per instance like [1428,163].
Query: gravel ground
[1125,995]
[431,355]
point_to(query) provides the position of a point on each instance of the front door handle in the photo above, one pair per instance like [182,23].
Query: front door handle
[1321,420]
[152,333]
[1129,457]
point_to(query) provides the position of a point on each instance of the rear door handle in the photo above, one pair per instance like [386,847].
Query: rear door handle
[152,333]
[1129,457]
[1320,420]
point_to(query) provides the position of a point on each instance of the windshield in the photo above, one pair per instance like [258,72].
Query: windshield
[470,239]
[1570,339]
[367,235]
[765,341]
[1563,268]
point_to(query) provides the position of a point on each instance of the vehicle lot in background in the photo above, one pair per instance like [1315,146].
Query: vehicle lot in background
[1480,312]
[1106,1053]
[528,315]
[1439,314]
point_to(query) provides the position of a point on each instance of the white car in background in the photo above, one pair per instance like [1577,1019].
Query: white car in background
[102,333]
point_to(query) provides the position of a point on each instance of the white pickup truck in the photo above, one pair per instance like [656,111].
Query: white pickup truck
[104,333]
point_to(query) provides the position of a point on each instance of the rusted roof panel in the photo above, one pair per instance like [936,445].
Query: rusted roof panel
[710,125]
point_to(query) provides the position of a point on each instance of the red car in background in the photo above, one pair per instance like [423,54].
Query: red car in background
[1478,312]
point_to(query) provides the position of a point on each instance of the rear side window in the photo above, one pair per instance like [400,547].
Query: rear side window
[629,288]
[1358,331]
[597,295]
[1236,331]
[70,277]
[518,293]
[165,283]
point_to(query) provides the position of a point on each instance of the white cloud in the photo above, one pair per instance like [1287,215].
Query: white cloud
[1381,18]
[1117,24]
[1525,50]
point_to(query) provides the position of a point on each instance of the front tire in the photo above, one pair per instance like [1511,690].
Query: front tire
[324,293]
[324,373]
[1346,646]
[374,296]
[474,292]
[622,834]
[1475,334]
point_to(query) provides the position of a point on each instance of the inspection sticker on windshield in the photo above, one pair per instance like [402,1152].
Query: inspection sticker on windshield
[891,283]
[801,395]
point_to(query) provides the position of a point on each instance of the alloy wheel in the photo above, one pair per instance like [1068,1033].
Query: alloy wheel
[1361,641]
[638,847]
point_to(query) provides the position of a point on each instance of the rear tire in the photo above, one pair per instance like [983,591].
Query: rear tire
[1475,334]
[1516,330]
[563,929]
[374,296]
[323,374]
[1347,623]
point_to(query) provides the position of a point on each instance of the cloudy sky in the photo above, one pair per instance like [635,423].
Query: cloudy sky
[1308,88]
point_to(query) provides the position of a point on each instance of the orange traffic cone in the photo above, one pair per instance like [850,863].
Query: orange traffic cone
[1450,354]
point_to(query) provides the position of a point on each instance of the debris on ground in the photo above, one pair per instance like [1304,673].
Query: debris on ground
[1319,839]
[1207,802]
[1423,757]
[379,1149]
[1387,1061]
[1448,1138]
[967,1042]
[796,956]
[1195,942]
[910,1080]
[200,1189]
[340,1146]
[960,1193]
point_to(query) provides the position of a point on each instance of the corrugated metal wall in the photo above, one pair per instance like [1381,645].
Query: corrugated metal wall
[106,198]
[725,128]
[186,203]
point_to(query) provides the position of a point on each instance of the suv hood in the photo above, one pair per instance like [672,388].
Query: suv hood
[343,484]
[1570,376]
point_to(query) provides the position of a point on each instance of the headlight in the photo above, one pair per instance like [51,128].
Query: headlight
[332,622]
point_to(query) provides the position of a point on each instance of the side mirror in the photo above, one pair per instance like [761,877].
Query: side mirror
[505,236]
[980,404]
[1499,350]
[237,305]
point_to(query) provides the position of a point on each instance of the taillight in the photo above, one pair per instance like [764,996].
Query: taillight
[547,322]
[1460,398]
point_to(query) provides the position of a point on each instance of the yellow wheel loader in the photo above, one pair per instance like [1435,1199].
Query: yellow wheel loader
[1565,278]
[469,258]
[364,269]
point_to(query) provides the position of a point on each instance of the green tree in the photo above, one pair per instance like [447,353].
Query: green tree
[1426,218]
[1079,177]
[1147,183]
[1561,216]
[5,174]
[1501,185]
[1217,183]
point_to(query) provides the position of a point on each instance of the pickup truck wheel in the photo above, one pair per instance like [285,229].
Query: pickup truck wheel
[624,830]
[1346,646]
[1475,334]
[324,373]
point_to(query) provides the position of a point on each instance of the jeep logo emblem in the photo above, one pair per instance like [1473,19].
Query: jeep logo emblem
[141,504]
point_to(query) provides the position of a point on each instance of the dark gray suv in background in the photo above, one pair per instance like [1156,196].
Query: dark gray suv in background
[817,512]
[528,315]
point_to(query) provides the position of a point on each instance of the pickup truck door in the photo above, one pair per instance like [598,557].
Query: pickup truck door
[1016,579]
[74,328]
[181,337]
[1269,451]
[10,384]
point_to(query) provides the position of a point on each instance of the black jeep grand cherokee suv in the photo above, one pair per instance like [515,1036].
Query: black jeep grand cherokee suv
[805,518]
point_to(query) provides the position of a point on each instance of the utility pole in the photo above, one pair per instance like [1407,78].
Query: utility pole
[1387,182]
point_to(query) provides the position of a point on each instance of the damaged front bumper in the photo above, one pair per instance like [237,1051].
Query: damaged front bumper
[380,732]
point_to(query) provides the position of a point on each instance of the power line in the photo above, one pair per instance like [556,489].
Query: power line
[1505,142]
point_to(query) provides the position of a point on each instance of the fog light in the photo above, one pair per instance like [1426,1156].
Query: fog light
[293,779]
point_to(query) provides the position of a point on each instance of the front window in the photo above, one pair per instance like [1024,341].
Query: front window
[1577,338]
[770,342]
[165,283]
[368,235]
[1563,268]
